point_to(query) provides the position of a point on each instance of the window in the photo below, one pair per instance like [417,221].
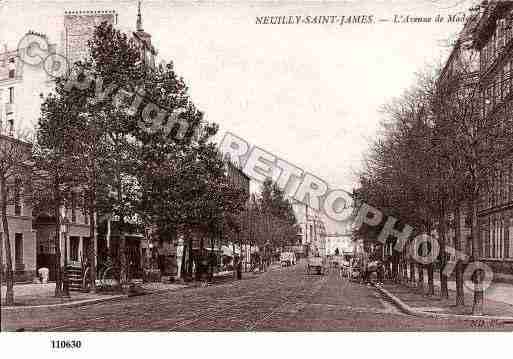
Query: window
[487,240]
[84,208]
[505,80]
[492,238]
[506,183]
[510,170]
[11,67]
[17,197]
[510,238]
[500,252]
[11,95]
[508,76]
[501,84]
[11,126]
[18,249]
[73,207]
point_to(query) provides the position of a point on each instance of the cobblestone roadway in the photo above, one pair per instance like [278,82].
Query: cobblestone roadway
[282,299]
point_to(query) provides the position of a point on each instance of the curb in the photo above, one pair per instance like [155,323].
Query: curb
[419,313]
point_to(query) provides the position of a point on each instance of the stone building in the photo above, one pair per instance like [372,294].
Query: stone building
[312,229]
[488,40]
[22,87]
[78,29]
[462,67]
[22,235]
[493,38]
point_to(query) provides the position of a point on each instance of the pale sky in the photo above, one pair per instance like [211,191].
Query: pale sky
[309,93]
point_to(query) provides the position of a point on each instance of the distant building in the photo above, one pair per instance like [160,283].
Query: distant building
[312,229]
[21,87]
[339,241]
[78,30]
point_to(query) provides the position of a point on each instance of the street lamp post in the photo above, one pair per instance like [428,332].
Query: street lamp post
[65,285]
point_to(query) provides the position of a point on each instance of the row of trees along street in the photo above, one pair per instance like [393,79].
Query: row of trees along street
[176,182]
[431,161]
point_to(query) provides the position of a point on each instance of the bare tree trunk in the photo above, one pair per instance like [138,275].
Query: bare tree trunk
[93,254]
[400,265]
[444,290]
[395,266]
[477,307]
[412,272]
[211,257]
[404,267]
[1,257]
[240,268]
[420,283]
[58,267]
[430,267]
[9,275]
[189,249]
[123,267]
[431,274]
[460,296]
[234,263]
[199,261]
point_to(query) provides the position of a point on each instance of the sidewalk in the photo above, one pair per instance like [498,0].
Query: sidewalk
[29,295]
[42,295]
[498,303]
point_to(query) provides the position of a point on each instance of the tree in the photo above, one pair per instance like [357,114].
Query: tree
[280,221]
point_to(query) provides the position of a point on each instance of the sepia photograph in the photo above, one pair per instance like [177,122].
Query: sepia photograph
[255,167]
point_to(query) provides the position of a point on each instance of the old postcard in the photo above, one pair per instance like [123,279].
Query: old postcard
[259,166]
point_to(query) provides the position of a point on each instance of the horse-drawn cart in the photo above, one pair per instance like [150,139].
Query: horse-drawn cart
[316,264]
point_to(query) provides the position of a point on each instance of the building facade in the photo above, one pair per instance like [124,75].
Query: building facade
[22,235]
[21,89]
[493,39]
[312,229]
[460,73]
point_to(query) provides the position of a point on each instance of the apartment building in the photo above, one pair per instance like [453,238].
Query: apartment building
[493,38]
[22,235]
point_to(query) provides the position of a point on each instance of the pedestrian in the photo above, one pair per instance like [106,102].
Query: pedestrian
[365,267]
[239,268]
[381,272]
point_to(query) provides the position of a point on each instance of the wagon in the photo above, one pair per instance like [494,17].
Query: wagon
[317,264]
